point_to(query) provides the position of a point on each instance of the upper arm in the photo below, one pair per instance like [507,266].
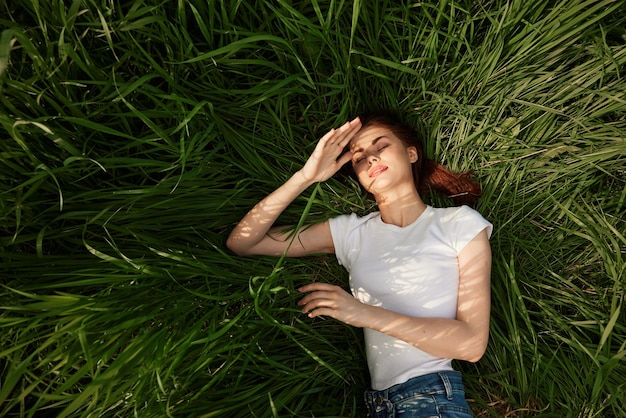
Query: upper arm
[474,302]
[310,239]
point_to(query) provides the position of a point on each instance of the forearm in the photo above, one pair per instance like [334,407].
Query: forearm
[257,223]
[441,337]
[253,234]
[463,338]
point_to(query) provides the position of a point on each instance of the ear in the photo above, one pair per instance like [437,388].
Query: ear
[412,152]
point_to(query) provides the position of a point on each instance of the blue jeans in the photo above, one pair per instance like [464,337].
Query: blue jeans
[433,395]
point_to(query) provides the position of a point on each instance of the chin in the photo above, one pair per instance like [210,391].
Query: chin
[377,188]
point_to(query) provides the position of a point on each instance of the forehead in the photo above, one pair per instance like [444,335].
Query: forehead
[365,137]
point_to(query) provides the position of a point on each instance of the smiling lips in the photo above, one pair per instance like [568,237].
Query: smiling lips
[374,172]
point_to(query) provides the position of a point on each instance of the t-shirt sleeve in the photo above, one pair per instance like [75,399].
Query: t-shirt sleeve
[467,223]
[340,228]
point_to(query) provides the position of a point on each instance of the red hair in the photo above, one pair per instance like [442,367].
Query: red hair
[428,175]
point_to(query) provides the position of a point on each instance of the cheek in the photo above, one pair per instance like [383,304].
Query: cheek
[359,169]
[359,173]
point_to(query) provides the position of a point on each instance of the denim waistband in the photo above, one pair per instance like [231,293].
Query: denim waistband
[445,382]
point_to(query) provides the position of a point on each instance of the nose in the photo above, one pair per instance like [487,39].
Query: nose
[372,158]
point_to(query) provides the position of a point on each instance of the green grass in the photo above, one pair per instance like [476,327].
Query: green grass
[135,134]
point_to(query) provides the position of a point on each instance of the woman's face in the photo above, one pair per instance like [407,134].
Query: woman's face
[380,159]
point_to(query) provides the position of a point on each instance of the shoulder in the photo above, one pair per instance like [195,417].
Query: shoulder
[344,226]
[458,214]
[462,220]
[455,212]
[352,220]
[346,232]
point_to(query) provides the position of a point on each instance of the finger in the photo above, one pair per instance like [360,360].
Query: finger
[320,312]
[344,158]
[313,297]
[343,138]
[326,138]
[319,304]
[349,126]
[344,129]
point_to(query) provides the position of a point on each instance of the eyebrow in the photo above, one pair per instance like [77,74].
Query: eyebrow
[373,143]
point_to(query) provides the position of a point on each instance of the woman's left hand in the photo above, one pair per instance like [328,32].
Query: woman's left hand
[329,300]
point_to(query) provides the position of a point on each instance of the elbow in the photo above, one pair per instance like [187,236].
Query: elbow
[475,358]
[477,351]
[239,251]
[235,247]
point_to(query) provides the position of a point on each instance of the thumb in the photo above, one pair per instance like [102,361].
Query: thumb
[344,158]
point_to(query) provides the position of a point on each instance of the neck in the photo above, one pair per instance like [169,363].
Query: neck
[400,209]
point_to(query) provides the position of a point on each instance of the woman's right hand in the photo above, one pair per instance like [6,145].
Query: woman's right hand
[327,159]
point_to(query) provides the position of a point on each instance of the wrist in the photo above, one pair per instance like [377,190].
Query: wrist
[302,179]
[371,317]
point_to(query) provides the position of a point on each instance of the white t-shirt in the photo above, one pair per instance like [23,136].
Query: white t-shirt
[412,270]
